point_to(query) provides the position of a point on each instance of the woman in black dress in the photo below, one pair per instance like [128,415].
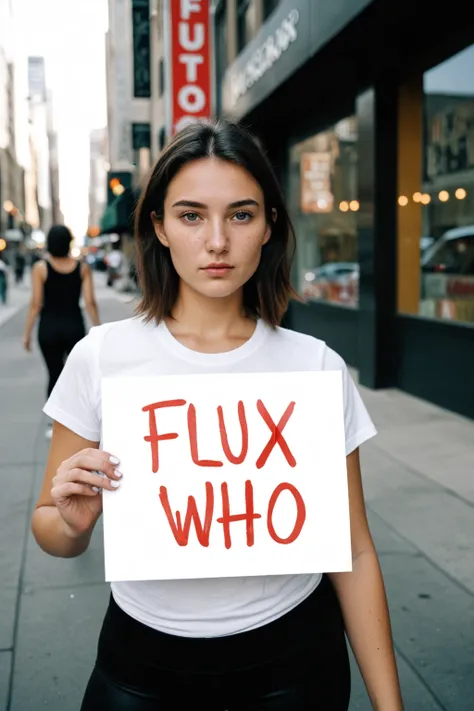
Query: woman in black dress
[58,282]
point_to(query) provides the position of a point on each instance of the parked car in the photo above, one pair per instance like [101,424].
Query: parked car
[447,283]
[452,253]
[337,282]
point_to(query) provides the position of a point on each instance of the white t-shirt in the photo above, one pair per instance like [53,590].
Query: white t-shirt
[114,259]
[209,607]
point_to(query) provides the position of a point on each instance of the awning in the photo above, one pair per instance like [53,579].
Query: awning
[118,216]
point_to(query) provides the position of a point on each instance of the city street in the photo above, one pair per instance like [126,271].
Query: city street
[419,487]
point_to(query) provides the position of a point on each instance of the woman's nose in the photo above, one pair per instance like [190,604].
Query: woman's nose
[217,239]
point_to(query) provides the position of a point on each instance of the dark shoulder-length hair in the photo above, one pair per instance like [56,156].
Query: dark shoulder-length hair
[59,240]
[267,293]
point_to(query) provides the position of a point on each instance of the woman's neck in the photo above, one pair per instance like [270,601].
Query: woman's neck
[204,323]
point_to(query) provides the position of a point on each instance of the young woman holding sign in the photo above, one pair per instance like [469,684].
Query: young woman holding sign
[214,247]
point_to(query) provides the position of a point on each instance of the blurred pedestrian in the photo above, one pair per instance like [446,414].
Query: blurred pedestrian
[57,285]
[20,262]
[214,254]
[3,280]
[114,261]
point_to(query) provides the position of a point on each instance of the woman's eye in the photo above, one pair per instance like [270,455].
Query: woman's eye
[243,216]
[191,217]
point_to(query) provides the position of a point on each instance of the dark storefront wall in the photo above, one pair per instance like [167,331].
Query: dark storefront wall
[426,357]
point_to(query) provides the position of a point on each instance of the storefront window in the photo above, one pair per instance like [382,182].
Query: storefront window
[443,205]
[324,205]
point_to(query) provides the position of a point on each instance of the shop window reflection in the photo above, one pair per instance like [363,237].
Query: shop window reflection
[324,206]
[446,196]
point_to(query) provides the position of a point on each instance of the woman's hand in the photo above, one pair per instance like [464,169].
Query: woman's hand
[27,343]
[77,487]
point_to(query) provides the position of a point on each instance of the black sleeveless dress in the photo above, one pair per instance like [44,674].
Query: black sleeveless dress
[61,320]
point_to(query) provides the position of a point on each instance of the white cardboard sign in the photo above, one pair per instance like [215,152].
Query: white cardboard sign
[226,475]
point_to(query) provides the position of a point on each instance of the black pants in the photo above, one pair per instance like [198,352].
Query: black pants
[57,338]
[297,662]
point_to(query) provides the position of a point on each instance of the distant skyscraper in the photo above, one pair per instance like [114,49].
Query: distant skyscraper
[97,176]
[37,79]
[39,114]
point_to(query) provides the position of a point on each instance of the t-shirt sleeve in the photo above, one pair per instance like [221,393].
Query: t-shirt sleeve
[75,399]
[357,421]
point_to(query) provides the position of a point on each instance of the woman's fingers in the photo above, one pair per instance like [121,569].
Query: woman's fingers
[91,479]
[92,460]
[71,488]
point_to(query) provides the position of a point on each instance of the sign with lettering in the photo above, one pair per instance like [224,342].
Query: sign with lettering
[316,192]
[226,475]
[188,33]
[265,56]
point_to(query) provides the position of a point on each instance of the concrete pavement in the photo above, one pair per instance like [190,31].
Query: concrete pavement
[419,486]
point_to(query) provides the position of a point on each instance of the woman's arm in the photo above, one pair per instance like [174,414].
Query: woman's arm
[51,532]
[70,503]
[89,295]
[38,276]
[364,606]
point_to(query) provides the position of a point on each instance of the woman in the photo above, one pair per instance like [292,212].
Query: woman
[57,285]
[213,239]
[3,281]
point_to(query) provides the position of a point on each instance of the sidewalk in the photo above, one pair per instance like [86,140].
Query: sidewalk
[419,486]
[18,296]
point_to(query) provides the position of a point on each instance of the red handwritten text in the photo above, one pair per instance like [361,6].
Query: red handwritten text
[276,436]
[181,531]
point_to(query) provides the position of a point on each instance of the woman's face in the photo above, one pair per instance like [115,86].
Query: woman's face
[214,226]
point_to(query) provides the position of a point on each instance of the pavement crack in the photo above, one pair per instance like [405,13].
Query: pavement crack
[420,475]
[24,552]
[420,678]
[419,552]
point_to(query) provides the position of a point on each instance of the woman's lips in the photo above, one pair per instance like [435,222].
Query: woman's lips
[218,270]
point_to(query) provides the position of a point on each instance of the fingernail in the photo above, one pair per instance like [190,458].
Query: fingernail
[96,489]
[115,484]
[117,473]
[114,460]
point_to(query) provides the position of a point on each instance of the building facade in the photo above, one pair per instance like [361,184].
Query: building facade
[57,216]
[366,108]
[135,101]
[97,177]
[39,180]
[12,173]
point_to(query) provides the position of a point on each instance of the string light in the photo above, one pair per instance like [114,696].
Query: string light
[417,197]
[403,200]
[460,193]
[344,206]
[425,199]
[443,196]
[354,205]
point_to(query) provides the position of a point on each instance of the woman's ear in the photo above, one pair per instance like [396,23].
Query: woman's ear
[268,231]
[268,234]
[159,229]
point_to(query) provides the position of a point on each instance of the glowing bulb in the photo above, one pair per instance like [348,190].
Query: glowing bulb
[8,206]
[425,199]
[460,193]
[417,197]
[344,206]
[403,200]
[354,205]
[443,196]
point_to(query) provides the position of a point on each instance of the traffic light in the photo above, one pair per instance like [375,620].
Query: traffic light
[117,183]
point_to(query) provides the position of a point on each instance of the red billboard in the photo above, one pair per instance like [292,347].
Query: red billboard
[190,61]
